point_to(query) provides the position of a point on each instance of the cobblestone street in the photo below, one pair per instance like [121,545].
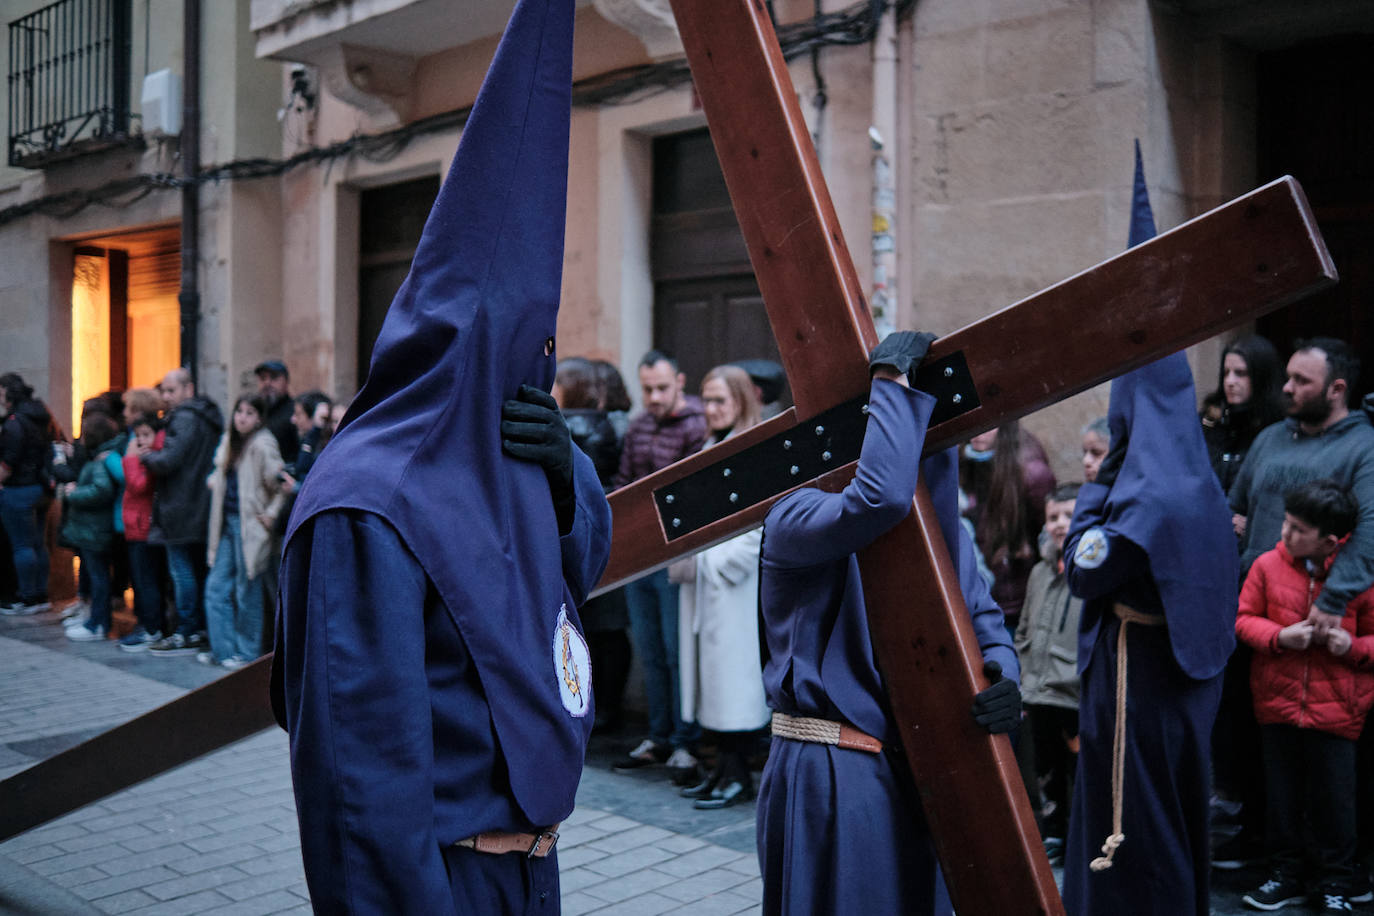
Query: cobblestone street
[219,835]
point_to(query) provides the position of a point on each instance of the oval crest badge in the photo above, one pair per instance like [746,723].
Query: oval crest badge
[1092,549]
[572,666]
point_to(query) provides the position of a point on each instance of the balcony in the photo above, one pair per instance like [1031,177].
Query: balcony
[301,30]
[69,81]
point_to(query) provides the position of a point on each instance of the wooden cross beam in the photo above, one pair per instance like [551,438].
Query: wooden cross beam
[1218,271]
[1152,301]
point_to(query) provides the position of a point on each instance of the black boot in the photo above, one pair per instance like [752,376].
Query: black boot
[729,793]
[733,786]
[704,788]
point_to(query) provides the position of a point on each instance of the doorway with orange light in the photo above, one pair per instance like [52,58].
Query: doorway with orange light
[125,319]
[125,333]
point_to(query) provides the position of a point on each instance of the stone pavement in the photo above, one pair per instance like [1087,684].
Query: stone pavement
[219,835]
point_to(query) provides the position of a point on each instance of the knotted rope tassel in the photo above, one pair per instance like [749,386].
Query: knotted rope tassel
[1128,616]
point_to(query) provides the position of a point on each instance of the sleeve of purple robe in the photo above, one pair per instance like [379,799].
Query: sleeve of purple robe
[587,547]
[1097,560]
[358,701]
[810,526]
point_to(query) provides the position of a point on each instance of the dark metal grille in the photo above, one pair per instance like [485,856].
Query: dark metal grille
[69,80]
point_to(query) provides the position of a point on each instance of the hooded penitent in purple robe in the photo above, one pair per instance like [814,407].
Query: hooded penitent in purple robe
[1158,540]
[842,831]
[430,666]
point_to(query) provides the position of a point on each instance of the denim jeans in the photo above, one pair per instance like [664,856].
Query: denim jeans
[233,602]
[19,515]
[184,565]
[96,563]
[652,602]
[144,574]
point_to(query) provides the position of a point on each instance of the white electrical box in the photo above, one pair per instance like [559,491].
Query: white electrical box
[162,104]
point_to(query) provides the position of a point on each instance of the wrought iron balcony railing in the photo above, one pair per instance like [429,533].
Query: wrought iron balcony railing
[69,80]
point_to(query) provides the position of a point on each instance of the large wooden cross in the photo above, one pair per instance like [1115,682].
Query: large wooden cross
[1220,270]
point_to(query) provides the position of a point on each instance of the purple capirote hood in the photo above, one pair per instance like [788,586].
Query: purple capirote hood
[421,444]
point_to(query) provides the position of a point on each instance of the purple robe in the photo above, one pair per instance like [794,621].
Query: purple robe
[1158,540]
[430,666]
[394,754]
[842,831]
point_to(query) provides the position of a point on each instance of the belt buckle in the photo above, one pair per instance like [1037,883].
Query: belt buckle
[550,835]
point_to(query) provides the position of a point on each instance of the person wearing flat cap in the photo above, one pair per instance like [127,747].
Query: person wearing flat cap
[430,663]
[274,383]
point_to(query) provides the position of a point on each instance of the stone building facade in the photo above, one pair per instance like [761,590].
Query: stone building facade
[977,151]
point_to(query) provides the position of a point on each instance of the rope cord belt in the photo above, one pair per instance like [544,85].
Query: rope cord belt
[1128,616]
[495,843]
[824,731]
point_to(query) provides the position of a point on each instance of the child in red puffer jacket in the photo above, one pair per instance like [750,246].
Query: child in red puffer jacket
[1312,693]
[145,560]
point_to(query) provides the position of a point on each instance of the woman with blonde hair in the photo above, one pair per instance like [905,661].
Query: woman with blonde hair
[718,625]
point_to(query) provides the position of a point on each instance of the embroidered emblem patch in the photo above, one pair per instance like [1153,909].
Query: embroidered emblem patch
[572,666]
[1092,549]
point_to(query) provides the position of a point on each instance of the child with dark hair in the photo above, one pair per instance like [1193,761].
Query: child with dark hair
[1312,694]
[146,435]
[1047,644]
[88,523]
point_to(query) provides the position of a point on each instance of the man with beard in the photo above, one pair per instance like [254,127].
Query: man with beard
[274,382]
[1321,437]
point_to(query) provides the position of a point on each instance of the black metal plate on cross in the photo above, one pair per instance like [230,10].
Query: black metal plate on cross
[804,452]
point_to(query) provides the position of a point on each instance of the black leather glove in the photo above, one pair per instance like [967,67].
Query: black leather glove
[998,708]
[533,429]
[902,350]
[1112,461]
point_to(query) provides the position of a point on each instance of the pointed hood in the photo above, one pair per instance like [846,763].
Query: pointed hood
[1142,216]
[1167,500]
[421,446]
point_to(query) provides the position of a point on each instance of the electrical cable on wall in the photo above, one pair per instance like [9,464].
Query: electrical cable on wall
[855,25]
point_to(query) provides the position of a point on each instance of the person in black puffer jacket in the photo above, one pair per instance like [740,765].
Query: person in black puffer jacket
[181,503]
[1247,399]
[24,443]
[581,396]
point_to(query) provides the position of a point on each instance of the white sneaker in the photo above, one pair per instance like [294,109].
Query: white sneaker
[24,609]
[77,609]
[233,663]
[75,622]
[206,658]
[82,633]
[681,759]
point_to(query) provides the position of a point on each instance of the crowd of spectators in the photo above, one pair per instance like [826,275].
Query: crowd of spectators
[159,497]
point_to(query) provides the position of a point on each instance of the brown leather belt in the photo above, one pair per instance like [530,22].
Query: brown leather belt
[496,843]
[824,731]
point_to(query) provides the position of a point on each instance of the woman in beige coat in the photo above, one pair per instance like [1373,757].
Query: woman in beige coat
[718,620]
[245,497]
